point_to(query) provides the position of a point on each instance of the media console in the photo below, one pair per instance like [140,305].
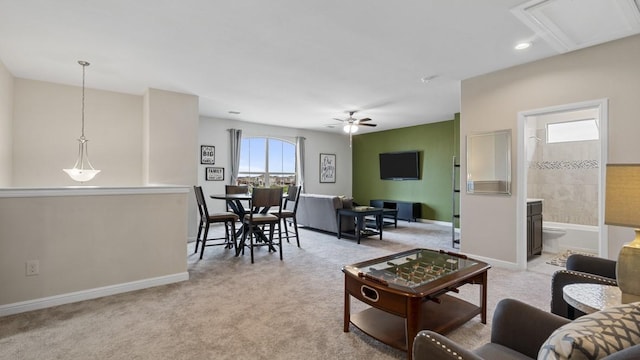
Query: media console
[410,211]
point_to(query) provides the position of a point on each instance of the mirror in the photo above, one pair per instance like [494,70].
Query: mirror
[489,163]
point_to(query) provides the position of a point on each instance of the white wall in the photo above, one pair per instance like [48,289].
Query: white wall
[214,132]
[492,102]
[47,124]
[6,126]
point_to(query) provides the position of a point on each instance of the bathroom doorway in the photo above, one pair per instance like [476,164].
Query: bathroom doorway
[561,162]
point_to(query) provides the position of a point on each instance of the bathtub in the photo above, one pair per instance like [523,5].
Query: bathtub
[557,237]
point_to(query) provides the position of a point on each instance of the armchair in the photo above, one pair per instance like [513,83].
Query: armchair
[580,269]
[520,331]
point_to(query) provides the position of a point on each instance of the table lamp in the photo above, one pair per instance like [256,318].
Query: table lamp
[622,208]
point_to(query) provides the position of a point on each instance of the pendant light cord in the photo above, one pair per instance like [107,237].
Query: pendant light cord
[84,65]
[83,68]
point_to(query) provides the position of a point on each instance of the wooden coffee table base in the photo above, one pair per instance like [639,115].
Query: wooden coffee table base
[399,308]
[395,319]
[390,329]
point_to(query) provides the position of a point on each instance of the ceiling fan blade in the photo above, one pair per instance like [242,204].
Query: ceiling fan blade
[365,119]
[339,119]
[372,125]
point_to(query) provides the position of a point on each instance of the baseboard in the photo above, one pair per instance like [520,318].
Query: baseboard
[497,263]
[437,222]
[42,303]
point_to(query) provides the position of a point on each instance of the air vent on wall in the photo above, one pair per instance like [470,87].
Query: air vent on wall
[569,25]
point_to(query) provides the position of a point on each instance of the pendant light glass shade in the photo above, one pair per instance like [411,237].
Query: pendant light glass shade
[82,170]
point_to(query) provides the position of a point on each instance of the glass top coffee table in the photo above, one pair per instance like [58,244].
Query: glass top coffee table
[407,292]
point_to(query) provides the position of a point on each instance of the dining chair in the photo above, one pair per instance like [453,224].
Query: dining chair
[262,201]
[288,213]
[206,219]
[235,189]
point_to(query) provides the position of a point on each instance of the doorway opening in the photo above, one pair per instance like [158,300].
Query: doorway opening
[561,163]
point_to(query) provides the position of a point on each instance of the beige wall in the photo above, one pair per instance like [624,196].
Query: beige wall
[170,151]
[84,242]
[492,102]
[214,132]
[171,126]
[43,127]
[47,124]
[6,126]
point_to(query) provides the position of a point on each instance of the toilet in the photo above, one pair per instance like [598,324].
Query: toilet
[550,236]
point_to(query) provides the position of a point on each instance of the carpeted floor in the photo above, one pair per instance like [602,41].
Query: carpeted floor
[231,309]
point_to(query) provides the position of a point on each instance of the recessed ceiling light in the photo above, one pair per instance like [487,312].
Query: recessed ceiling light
[522,46]
[234,112]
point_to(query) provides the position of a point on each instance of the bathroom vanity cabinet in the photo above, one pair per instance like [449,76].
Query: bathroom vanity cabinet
[534,228]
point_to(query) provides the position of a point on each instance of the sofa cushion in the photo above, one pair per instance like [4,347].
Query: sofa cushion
[319,212]
[596,335]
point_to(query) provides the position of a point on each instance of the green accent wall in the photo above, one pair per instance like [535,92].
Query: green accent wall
[437,144]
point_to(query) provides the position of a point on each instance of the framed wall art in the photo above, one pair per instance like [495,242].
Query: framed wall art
[207,154]
[327,168]
[214,174]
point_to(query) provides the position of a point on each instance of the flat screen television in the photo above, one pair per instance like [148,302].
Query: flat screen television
[403,165]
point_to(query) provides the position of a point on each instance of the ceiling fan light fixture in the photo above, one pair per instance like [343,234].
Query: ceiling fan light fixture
[350,128]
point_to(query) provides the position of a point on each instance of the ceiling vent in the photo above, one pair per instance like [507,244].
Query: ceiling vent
[569,25]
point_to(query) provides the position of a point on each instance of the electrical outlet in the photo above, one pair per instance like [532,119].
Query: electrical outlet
[33,267]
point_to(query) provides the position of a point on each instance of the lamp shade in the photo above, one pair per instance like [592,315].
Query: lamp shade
[81,175]
[622,208]
[622,204]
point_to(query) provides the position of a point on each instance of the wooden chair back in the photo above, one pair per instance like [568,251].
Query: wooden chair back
[266,197]
[293,195]
[236,189]
[202,205]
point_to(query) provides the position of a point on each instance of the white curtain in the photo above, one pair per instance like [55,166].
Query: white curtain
[300,162]
[235,142]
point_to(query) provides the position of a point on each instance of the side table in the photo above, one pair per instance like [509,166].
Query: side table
[359,214]
[590,298]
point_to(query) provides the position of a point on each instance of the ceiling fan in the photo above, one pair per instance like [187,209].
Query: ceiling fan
[352,124]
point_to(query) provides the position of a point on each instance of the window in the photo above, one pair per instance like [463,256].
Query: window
[577,130]
[267,162]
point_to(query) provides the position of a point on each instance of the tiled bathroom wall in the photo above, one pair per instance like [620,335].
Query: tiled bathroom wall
[565,176]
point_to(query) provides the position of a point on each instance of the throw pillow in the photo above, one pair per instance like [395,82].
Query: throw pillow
[347,203]
[595,336]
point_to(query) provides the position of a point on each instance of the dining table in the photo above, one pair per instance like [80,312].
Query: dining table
[235,204]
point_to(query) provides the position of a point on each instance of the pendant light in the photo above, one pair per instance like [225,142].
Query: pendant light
[83,170]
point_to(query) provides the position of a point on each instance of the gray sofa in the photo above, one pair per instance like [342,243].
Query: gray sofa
[319,212]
